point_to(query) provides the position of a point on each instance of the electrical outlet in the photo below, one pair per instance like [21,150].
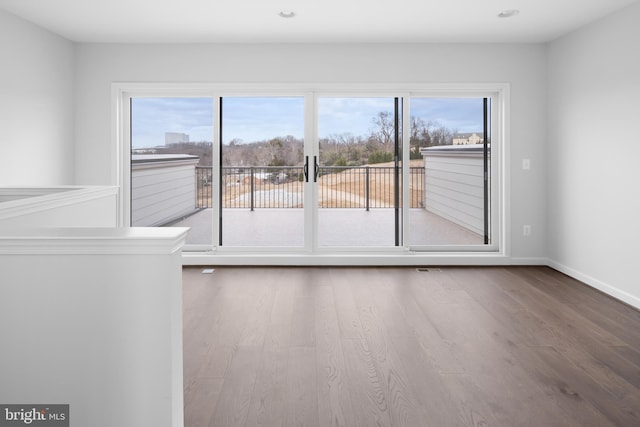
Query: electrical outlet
[526,164]
[526,230]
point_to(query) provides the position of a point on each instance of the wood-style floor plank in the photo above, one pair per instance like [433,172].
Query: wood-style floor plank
[379,325]
[269,405]
[580,340]
[201,401]
[368,399]
[334,395]
[302,387]
[453,346]
[348,318]
[437,350]
[280,320]
[237,390]
[572,381]
[558,387]
[483,347]
[198,315]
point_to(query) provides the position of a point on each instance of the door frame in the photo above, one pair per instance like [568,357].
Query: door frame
[500,203]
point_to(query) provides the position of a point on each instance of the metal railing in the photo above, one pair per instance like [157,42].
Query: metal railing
[364,187]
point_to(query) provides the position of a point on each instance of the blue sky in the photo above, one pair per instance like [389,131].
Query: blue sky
[255,119]
[152,117]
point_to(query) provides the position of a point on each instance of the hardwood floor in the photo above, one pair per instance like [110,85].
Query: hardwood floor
[516,346]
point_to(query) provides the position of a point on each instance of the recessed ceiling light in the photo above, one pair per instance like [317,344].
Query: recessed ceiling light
[287,14]
[508,13]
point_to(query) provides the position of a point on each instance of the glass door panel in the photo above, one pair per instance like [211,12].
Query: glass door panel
[358,172]
[262,172]
[448,184]
[171,165]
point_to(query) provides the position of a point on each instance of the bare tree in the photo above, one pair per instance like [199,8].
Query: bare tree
[384,127]
[417,129]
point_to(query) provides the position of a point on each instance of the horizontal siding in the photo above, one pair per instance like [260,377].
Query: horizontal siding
[147,196]
[453,177]
[466,216]
[161,195]
[454,189]
[455,167]
[457,199]
[473,187]
[452,157]
[146,177]
[162,213]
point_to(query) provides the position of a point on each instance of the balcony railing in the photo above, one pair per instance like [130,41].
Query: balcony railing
[365,187]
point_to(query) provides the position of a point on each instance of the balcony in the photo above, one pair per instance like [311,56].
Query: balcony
[356,205]
[362,187]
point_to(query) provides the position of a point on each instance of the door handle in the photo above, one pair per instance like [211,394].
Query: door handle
[316,168]
[305,169]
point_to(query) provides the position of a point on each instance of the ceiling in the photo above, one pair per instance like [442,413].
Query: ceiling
[315,21]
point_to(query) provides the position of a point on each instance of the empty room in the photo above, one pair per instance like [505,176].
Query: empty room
[286,213]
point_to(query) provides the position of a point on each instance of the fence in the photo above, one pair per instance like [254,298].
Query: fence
[365,187]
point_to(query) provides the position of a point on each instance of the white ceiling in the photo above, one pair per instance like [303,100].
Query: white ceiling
[316,21]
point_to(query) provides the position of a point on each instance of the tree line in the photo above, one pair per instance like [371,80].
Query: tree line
[335,150]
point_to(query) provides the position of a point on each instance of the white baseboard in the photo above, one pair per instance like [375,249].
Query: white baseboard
[346,259]
[597,284]
[351,259]
[529,261]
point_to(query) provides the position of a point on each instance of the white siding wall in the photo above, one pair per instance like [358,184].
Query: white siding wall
[162,192]
[454,187]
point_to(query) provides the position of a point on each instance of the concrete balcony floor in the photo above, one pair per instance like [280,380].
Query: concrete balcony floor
[336,228]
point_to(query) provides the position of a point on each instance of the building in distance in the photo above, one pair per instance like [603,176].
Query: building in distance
[468,138]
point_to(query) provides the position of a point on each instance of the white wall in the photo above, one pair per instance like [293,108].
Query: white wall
[36,105]
[523,66]
[594,150]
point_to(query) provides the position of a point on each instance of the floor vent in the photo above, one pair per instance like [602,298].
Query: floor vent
[428,270]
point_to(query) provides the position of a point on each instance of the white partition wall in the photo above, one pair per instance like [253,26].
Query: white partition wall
[92,317]
[59,206]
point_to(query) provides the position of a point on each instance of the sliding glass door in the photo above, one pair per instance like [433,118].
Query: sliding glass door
[262,172]
[171,164]
[358,183]
[450,172]
[353,168]
[315,172]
